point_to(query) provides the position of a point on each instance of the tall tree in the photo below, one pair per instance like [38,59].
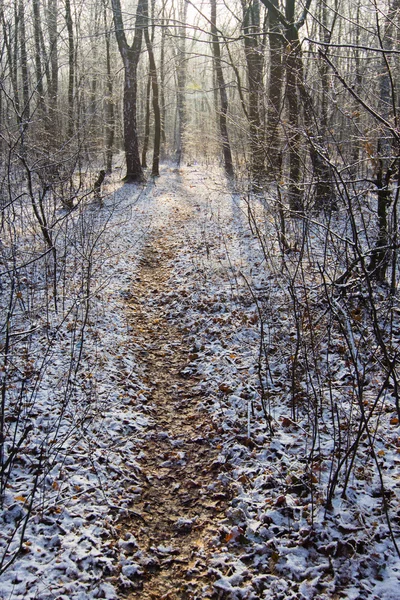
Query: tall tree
[24,63]
[164,21]
[181,80]
[52,26]
[10,40]
[274,93]
[71,68]
[300,102]
[155,92]
[146,137]
[254,52]
[109,108]
[130,54]
[386,161]
[38,60]
[220,80]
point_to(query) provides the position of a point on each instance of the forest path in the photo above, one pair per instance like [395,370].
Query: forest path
[182,501]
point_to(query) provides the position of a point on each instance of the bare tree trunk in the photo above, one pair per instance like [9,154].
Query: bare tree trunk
[298,98]
[385,165]
[38,61]
[146,137]
[295,175]
[71,67]
[223,127]
[162,84]
[130,56]
[181,82]
[24,65]
[324,195]
[134,170]
[52,11]
[11,44]
[109,125]
[155,171]
[45,58]
[274,95]
[254,51]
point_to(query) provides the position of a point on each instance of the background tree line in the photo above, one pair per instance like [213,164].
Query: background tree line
[284,91]
[290,92]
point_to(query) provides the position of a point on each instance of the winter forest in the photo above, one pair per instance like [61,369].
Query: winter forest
[199,299]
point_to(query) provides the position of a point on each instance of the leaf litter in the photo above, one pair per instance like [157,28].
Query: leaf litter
[172,486]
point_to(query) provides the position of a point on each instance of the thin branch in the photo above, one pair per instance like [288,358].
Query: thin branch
[372,112]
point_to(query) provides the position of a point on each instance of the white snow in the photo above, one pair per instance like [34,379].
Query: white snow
[87,431]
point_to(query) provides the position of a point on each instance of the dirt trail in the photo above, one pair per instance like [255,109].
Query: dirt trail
[182,500]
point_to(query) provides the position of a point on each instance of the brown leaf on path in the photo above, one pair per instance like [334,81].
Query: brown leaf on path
[225,388]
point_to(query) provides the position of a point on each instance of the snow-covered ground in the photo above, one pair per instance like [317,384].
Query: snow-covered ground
[278,539]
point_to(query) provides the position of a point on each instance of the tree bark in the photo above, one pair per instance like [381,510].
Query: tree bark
[181,83]
[24,65]
[52,12]
[385,165]
[274,95]
[254,52]
[146,137]
[71,69]
[130,55]
[155,171]
[223,126]
[292,75]
[38,61]
[297,98]
[162,84]
[109,125]
[12,55]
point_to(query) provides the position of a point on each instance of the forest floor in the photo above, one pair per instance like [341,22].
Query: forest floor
[171,485]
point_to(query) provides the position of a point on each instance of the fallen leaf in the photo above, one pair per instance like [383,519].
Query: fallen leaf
[225,388]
